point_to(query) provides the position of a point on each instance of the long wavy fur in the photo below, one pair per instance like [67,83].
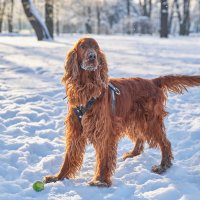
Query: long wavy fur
[140,112]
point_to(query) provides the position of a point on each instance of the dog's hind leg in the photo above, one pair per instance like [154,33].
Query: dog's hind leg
[165,147]
[137,150]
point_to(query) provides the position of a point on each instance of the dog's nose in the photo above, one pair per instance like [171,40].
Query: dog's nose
[92,56]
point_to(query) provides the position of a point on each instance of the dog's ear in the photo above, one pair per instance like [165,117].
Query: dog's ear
[103,68]
[71,69]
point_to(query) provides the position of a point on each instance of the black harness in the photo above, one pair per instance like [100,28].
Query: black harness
[81,110]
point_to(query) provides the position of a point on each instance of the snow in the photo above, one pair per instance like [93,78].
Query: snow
[32,114]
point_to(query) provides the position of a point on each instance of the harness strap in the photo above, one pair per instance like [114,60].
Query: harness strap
[81,110]
[112,87]
[114,91]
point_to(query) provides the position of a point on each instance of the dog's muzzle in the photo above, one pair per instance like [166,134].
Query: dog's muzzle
[88,67]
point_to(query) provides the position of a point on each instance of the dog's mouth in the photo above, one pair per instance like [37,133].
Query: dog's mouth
[91,66]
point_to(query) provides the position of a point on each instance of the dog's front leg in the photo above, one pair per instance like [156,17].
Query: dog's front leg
[75,149]
[106,153]
[73,160]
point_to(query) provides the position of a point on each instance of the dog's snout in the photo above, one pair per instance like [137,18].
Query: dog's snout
[92,56]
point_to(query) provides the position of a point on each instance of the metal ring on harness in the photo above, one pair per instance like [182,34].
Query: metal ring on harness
[117,91]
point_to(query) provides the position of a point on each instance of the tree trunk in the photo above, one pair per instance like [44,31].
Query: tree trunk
[2,11]
[171,17]
[35,20]
[185,23]
[128,16]
[49,16]
[198,22]
[19,20]
[178,11]
[150,8]
[88,25]
[10,17]
[164,19]
[146,7]
[98,20]
[128,7]
[57,19]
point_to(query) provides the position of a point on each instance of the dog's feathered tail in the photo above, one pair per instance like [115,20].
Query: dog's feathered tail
[176,84]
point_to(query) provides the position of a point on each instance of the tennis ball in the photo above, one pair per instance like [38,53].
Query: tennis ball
[38,186]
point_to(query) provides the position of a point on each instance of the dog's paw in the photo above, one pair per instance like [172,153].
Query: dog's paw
[159,169]
[98,183]
[127,155]
[50,179]
[130,154]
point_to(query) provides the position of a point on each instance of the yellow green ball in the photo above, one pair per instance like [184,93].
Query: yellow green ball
[38,186]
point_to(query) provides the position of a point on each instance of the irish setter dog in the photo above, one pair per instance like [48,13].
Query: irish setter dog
[139,113]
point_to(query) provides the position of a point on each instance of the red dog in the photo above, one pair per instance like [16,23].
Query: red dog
[98,116]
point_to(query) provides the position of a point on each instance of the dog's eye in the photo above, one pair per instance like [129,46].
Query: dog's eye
[96,47]
[82,46]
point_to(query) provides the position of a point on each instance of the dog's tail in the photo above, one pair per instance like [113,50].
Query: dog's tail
[177,84]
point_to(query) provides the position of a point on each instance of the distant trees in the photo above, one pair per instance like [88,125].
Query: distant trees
[6,10]
[101,16]
[182,10]
[146,26]
[146,7]
[184,19]
[2,11]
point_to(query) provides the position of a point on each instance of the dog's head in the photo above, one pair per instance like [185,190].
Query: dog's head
[85,63]
[87,51]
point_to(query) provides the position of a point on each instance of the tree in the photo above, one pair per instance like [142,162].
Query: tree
[128,5]
[185,24]
[146,7]
[171,16]
[98,14]
[49,16]
[2,12]
[88,25]
[10,16]
[184,20]
[35,20]
[164,19]
[57,23]
[198,18]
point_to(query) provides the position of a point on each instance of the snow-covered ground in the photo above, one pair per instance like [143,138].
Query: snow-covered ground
[32,114]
